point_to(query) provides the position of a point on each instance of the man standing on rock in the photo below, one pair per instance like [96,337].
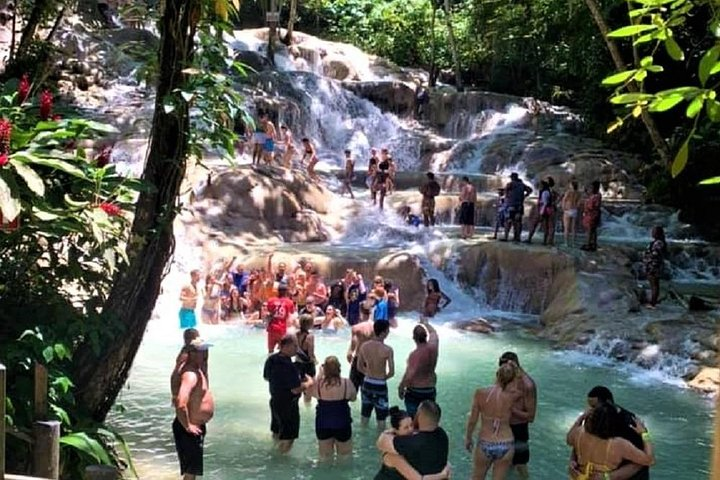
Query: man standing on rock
[468,199]
[349,174]
[194,409]
[360,333]
[523,414]
[188,299]
[429,191]
[515,194]
[418,383]
[376,361]
[286,386]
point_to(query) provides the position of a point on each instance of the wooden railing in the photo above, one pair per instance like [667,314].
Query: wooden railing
[45,438]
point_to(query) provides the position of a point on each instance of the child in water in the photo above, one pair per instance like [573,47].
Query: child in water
[434,297]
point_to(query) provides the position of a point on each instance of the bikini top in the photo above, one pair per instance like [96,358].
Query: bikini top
[496,422]
[591,468]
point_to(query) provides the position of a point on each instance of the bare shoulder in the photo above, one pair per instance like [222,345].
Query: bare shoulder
[528,382]
[189,376]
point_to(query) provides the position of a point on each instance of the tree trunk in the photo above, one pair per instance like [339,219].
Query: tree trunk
[292,17]
[433,66]
[453,46]
[272,33]
[99,378]
[658,141]
[33,22]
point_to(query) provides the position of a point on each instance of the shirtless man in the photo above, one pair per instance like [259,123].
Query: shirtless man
[468,198]
[523,413]
[419,381]
[375,360]
[372,171]
[195,407]
[270,136]
[188,298]
[349,174]
[310,153]
[289,152]
[360,333]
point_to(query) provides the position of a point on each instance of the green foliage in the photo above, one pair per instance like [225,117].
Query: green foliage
[57,266]
[656,24]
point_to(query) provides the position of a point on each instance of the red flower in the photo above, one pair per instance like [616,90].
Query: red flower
[5,133]
[24,88]
[110,209]
[46,104]
[4,160]
[56,117]
[103,157]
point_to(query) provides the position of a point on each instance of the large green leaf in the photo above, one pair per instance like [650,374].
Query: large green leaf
[681,158]
[89,446]
[711,181]
[663,104]
[631,30]
[50,162]
[707,63]
[619,78]
[93,125]
[695,107]
[674,50]
[712,108]
[9,205]
[626,98]
[32,179]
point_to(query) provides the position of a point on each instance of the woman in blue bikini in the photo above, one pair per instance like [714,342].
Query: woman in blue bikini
[493,406]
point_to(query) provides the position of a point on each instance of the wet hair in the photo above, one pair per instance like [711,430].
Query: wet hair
[431,175]
[596,186]
[466,179]
[544,185]
[397,416]
[306,322]
[420,334]
[431,410]
[189,335]
[381,327]
[348,152]
[575,185]
[550,181]
[434,284]
[306,140]
[658,233]
[509,357]
[387,285]
[331,371]
[602,421]
[514,176]
[602,393]
[506,374]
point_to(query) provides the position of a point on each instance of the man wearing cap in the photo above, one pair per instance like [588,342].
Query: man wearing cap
[286,386]
[515,194]
[195,407]
[280,309]
[429,191]
[419,381]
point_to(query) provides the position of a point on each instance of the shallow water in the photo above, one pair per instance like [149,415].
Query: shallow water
[238,444]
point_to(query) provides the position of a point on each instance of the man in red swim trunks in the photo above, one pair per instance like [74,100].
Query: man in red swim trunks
[281,308]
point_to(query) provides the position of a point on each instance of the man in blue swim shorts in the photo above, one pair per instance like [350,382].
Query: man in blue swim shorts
[188,299]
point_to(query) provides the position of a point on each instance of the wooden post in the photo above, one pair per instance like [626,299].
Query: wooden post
[101,472]
[2,421]
[46,449]
[40,399]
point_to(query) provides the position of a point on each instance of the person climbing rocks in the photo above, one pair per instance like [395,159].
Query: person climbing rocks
[429,191]
[591,217]
[653,260]
[515,194]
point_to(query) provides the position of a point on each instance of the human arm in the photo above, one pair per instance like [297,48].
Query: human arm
[351,390]
[445,299]
[353,346]
[360,361]
[391,365]
[528,190]
[310,343]
[309,382]
[408,472]
[187,293]
[386,442]
[646,456]
[188,381]
[409,373]
[575,430]
[433,338]
[472,420]
[269,265]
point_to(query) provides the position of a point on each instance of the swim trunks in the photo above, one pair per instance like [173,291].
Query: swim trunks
[415,396]
[285,421]
[522,446]
[467,213]
[269,145]
[356,376]
[375,396]
[189,448]
[187,318]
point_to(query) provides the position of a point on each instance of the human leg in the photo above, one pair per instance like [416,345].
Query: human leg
[654,289]
[521,457]
[189,449]
[326,448]
[481,464]
[502,466]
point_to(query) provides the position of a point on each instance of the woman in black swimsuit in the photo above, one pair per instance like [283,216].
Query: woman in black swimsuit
[305,358]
